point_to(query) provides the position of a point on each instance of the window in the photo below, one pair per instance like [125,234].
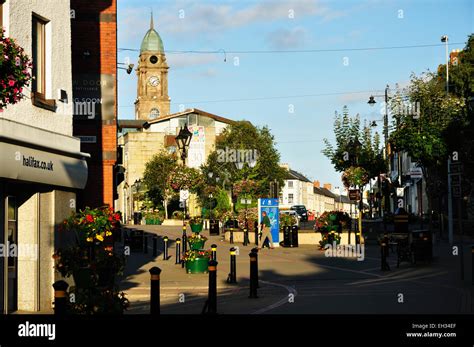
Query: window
[290,184]
[290,198]
[281,199]
[154,113]
[39,65]
[1,14]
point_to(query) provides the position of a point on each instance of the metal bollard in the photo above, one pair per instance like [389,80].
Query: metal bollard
[232,278]
[383,254]
[246,237]
[60,297]
[255,250]
[178,251]
[231,235]
[214,252]
[155,290]
[155,245]
[184,242]
[165,248]
[212,293]
[145,244]
[253,275]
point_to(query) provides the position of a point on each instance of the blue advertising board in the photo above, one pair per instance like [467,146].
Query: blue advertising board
[270,206]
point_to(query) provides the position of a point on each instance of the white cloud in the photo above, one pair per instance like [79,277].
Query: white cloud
[283,39]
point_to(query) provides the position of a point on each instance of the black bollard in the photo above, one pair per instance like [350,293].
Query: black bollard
[384,254]
[256,233]
[253,275]
[246,237]
[231,235]
[178,251]
[214,252]
[61,299]
[165,248]
[255,250]
[232,278]
[155,245]
[472,266]
[212,294]
[145,244]
[155,290]
[184,243]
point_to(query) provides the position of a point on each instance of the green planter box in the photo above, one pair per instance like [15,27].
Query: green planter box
[197,245]
[196,228]
[198,266]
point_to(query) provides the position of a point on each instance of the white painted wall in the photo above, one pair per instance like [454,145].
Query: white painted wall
[18,25]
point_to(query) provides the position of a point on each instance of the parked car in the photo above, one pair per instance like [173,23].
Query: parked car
[301,211]
[292,213]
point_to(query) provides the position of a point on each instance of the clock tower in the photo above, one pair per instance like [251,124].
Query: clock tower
[152,90]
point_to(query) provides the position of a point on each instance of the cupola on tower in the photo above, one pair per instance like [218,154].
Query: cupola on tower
[152,93]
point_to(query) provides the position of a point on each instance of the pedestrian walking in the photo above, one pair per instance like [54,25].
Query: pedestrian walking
[266,231]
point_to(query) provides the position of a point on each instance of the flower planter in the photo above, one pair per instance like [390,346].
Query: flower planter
[106,277]
[196,228]
[197,266]
[83,278]
[197,245]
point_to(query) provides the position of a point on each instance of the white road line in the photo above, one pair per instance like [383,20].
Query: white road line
[279,303]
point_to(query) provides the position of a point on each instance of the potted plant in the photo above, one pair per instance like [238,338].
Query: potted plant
[197,261]
[196,224]
[196,241]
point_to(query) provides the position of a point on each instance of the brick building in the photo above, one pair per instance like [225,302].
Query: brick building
[94,61]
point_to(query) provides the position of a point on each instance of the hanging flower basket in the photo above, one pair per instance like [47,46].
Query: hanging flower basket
[14,71]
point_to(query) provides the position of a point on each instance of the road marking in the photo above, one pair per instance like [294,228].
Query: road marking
[283,301]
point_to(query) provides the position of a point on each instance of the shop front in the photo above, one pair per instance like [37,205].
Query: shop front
[40,174]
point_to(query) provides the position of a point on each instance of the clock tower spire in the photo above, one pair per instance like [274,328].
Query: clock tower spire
[152,89]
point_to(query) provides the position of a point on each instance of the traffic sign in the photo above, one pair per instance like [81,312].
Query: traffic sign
[416,172]
[183,195]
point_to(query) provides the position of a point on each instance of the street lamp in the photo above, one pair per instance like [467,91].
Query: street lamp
[183,140]
[445,39]
[372,102]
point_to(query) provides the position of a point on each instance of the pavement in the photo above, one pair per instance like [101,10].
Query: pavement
[303,280]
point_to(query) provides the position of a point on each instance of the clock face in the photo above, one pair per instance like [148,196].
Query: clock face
[154,81]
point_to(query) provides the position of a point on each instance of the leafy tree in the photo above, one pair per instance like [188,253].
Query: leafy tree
[157,176]
[242,135]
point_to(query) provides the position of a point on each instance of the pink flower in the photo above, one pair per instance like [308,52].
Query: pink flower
[11,83]
[17,61]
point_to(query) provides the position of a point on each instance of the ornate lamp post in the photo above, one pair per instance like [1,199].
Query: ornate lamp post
[183,140]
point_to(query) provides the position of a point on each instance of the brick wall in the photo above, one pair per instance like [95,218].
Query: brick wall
[94,46]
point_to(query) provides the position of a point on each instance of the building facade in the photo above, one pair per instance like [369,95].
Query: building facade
[94,61]
[42,167]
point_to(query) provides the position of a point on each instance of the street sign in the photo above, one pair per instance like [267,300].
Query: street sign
[354,194]
[183,195]
[416,172]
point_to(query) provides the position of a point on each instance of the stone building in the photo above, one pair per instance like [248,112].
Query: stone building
[34,199]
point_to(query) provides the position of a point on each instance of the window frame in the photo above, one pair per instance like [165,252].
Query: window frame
[291,198]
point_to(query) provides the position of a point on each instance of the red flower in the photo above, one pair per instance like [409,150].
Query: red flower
[89,218]
[111,219]
[117,216]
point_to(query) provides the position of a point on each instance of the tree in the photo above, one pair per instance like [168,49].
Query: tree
[244,138]
[157,176]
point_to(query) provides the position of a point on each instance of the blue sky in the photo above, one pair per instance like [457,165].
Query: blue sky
[285,82]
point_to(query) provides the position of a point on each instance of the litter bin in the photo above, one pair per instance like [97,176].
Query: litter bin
[422,245]
[214,227]
[294,236]
[400,221]
[286,236]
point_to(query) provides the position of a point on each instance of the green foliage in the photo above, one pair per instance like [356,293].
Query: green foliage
[242,135]
[223,202]
[344,154]
[156,177]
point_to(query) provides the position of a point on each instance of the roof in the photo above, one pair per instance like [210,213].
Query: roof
[295,175]
[327,192]
[189,111]
[130,123]
[152,41]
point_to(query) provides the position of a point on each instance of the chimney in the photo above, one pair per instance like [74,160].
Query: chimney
[328,186]
[285,166]
[316,184]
